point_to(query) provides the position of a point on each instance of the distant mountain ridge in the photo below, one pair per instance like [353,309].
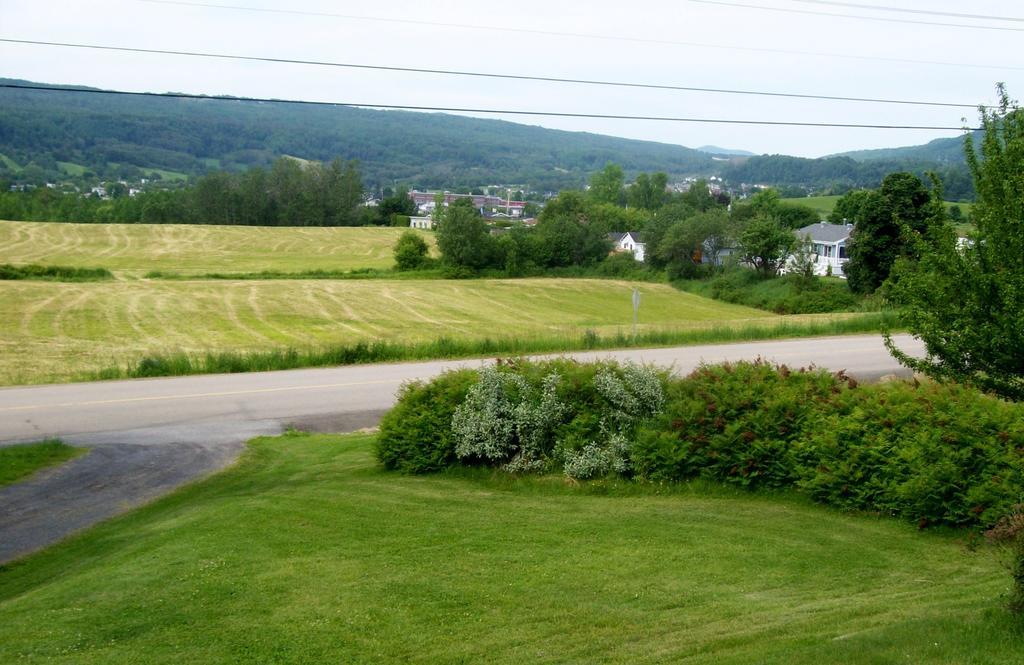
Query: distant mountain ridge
[55,134]
[940,151]
[726,152]
[193,136]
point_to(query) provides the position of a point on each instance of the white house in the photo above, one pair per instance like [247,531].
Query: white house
[828,244]
[421,223]
[628,242]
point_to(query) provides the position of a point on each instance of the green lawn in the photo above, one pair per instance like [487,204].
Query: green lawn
[307,552]
[71,168]
[166,175]
[825,204]
[9,163]
[20,462]
[135,249]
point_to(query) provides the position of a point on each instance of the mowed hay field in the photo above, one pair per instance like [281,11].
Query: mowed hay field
[135,249]
[53,331]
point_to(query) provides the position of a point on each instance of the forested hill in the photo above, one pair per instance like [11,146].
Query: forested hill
[941,151]
[103,137]
[839,174]
[108,134]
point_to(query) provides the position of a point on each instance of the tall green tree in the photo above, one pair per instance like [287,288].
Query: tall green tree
[848,208]
[343,193]
[685,245]
[606,186]
[567,232]
[764,244]
[648,192]
[669,215]
[399,203]
[463,238]
[966,302]
[699,197]
[888,223]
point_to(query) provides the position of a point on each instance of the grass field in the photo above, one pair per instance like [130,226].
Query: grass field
[822,204]
[135,249]
[20,462]
[54,331]
[71,168]
[9,163]
[825,204]
[307,552]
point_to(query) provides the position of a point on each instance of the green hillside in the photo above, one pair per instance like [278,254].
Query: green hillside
[942,151]
[841,173]
[112,134]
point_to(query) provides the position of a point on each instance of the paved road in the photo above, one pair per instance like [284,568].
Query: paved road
[149,436]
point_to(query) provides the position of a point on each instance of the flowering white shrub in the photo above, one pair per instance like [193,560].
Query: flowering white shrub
[503,420]
[506,421]
[593,461]
[637,394]
[483,424]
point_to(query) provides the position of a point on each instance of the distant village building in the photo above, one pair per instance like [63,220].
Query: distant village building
[486,204]
[628,242]
[421,223]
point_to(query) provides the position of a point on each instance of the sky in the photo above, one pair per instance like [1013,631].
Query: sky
[756,45]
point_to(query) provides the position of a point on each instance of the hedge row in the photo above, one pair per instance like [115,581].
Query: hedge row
[934,454]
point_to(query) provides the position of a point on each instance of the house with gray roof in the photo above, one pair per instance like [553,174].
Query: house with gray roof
[828,245]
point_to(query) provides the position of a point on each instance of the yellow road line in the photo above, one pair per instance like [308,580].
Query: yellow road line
[225,393]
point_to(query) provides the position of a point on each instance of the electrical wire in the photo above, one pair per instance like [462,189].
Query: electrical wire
[575,35]
[790,10]
[904,10]
[449,109]
[517,77]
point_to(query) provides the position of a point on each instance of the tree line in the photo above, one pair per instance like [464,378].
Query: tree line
[289,193]
[686,234]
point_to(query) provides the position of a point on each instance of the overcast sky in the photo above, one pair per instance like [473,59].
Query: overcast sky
[684,42]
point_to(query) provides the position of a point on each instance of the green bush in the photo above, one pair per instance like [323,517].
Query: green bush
[523,416]
[788,294]
[416,435]
[934,454]
[53,273]
[410,251]
[735,423]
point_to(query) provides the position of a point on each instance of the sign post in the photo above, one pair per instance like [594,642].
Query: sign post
[636,310]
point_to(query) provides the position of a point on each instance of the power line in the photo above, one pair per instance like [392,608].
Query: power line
[517,77]
[450,109]
[855,16]
[575,35]
[903,10]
